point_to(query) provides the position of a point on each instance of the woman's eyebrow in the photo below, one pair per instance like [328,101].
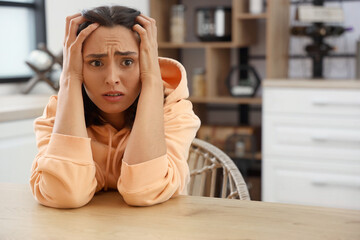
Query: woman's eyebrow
[101,55]
[127,53]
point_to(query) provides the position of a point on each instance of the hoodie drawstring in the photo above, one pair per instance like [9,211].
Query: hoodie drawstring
[108,159]
[117,150]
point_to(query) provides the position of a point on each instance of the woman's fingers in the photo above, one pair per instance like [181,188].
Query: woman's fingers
[84,34]
[148,18]
[147,22]
[67,24]
[148,25]
[73,27]
[141,31]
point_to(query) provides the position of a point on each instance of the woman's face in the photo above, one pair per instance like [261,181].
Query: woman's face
[111,69]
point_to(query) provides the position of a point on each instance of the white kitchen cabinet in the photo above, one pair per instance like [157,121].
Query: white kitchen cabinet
[310,182]
[324,138]
[17,150]
[311,145]
[17,137]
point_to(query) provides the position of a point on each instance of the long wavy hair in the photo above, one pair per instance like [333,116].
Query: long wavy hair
[107,16]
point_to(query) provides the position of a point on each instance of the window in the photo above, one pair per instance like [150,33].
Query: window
[22,24]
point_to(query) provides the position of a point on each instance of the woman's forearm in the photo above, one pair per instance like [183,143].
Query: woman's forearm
[70,119]
[147,138]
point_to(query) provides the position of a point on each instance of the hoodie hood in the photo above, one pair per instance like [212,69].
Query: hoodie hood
[175,82]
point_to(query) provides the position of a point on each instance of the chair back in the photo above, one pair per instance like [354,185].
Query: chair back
[213,173]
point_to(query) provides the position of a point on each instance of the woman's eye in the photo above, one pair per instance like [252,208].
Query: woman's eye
[96,63]
[127,62]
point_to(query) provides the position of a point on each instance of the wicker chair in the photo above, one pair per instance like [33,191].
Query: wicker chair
[213,173]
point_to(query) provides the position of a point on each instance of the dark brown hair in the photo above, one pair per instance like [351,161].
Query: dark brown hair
[108,16]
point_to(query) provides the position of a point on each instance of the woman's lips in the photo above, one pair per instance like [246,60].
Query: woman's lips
[113,96]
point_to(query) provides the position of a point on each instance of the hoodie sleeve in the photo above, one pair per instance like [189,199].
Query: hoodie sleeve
[63,171]
[159,179]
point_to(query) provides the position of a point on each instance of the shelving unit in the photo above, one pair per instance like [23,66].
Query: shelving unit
[217,58]
[217,54]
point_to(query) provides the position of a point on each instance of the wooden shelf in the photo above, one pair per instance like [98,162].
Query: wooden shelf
[226,100]
[256,157]
[199,45]
[244,16]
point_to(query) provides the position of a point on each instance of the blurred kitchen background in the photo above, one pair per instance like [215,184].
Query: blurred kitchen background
[276,84]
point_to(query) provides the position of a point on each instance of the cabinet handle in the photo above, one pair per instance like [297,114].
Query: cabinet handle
[333,139]
[323,102]
[324,183]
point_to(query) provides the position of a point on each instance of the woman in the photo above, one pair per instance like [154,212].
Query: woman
[120,120]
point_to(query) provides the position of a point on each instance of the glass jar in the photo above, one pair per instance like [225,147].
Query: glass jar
[177,24]
[198,83]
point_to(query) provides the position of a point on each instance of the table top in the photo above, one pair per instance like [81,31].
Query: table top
[184,217]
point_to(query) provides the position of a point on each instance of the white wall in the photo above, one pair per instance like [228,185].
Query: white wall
[56,12]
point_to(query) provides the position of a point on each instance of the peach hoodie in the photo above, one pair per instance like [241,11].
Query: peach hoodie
[68,170]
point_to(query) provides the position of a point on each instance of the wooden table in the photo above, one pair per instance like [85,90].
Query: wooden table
[185,217]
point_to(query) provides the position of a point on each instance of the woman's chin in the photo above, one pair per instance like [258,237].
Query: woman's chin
[112,111]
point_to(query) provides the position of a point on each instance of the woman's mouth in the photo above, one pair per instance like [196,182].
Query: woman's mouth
[113,96]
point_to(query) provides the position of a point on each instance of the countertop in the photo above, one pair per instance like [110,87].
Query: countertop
[18,107]
[313,83]
[183,217]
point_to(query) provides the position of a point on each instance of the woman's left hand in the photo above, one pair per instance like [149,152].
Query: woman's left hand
[149,63]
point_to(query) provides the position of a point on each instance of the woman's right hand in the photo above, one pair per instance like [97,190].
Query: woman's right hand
[72,72]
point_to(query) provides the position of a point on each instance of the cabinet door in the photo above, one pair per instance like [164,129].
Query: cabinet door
[330,102]
[310,183]
[17,150]
[326,138]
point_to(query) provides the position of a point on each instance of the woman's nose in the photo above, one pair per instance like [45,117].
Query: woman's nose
[113,76]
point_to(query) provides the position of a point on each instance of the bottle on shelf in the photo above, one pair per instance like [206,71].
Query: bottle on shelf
[256,6]
[198,83]
[177,24]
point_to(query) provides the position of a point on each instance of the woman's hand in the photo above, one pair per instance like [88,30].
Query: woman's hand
[70,117]
[149,63]
[72,57]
